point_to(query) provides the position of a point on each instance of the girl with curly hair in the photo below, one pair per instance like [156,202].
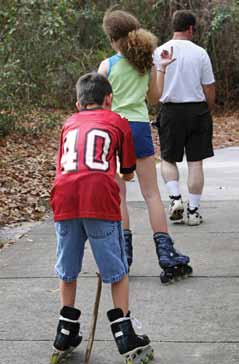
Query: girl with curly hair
[134,79]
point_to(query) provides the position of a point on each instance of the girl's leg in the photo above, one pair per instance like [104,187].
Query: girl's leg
[120,295]
[123,206]
[68,293]
[125,221]
[146,172]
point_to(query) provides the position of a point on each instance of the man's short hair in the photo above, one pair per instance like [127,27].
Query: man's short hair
[92,89]
[182,20]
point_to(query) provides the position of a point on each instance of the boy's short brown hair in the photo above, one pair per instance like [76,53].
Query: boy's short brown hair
[92,89]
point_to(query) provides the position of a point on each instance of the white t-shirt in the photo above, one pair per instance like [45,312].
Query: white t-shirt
[185,76]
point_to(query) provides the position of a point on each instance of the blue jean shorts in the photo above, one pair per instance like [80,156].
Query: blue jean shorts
[143,143]
[107,244]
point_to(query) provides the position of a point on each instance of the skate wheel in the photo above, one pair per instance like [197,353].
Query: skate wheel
[187,271]
[178,278]
[166,278]
[148,358]
[151,356]
[129,361]
[55,359]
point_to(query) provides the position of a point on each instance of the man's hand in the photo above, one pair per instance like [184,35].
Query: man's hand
[128,176]
[210,94]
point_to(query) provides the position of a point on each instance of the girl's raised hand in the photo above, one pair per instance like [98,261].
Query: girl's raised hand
[166,57]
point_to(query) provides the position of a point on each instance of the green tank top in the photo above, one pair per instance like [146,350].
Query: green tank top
[129,89]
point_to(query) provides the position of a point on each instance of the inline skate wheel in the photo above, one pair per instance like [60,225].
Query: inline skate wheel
[55,359]
[166,278]
[129,361]
[148,358]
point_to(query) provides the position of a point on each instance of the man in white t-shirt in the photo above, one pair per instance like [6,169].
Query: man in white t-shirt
[184,120]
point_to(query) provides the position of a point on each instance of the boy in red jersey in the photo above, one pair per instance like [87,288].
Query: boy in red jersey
[86,205]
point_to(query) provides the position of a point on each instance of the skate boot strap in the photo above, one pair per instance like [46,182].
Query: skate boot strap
[62,318]
[136,323]
[163,239]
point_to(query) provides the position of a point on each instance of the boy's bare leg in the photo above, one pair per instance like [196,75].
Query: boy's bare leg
[134,348]
[120,294]
[146,172]
[68,293]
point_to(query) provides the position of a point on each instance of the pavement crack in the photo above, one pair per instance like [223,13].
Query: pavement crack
[236,276]
[153,341]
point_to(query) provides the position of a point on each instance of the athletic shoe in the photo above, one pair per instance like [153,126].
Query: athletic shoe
[176,209]
[193,217]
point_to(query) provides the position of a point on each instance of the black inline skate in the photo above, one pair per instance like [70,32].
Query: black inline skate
[134,348]
[174,264]
[68,335]
[128,246]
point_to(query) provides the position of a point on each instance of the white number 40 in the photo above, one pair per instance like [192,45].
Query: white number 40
[69,159]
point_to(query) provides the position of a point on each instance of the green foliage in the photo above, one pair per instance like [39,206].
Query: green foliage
[220,17]
[45,45]
[44,48]
[7,124]
[223,46]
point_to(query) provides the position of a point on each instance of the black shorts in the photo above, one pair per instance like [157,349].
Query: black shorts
[185,127]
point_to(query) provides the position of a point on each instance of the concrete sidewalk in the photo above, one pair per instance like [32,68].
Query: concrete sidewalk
[195,321]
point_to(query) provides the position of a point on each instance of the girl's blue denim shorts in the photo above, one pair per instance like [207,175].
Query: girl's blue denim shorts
[143,143]
[107,244]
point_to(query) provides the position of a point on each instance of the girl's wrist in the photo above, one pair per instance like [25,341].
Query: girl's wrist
[161,69]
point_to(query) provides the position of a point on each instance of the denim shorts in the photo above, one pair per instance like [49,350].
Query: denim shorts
[143,143]
[107,244]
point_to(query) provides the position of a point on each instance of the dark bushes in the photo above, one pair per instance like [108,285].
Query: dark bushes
[45,45]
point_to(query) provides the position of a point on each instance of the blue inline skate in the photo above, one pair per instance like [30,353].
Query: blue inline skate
[128,246]
[174,264]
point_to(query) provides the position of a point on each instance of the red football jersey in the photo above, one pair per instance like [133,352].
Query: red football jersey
[85,183]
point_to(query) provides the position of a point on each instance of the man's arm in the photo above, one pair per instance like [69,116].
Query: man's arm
[210,94]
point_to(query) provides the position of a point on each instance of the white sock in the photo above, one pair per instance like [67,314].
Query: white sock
[194,201]
[173,188]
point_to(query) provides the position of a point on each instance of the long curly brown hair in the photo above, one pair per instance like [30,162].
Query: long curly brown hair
[134,42]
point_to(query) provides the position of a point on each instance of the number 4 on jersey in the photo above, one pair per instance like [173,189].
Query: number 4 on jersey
[69,160]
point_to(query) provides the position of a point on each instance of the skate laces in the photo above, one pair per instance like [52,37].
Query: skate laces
[136,323]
